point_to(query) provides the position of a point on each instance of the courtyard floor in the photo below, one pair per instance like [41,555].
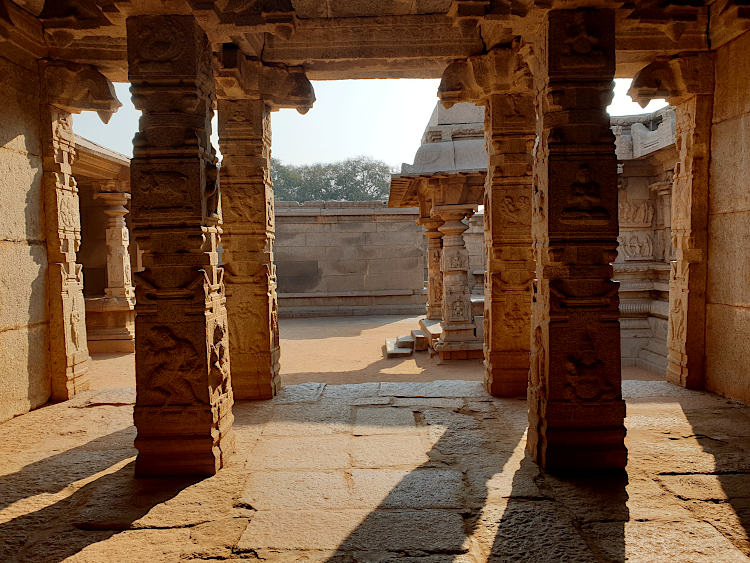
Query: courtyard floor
[365,459]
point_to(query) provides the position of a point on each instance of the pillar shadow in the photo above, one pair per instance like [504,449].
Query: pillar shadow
[724,433]
[436,506]
[93,513]
[52,474]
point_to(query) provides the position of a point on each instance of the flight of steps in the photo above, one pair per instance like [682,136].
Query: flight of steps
[404,346]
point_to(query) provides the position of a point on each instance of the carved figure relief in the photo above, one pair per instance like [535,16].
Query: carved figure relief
[213,192]
[515,321]
[578,39]
[68,213]
[538,358]
[76,318]
[581,370]
[513,209]
[636,214]
[677,322]
[159,43]
[637,246]
[173,368]
[164,190]
[219,372]
[584,199]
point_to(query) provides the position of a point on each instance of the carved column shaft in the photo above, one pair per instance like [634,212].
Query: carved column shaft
[576,411]
[117,237]
[510,129]
[434,273]
[686,336]
[247,199]
[183,410]
[457,337]
[69,356]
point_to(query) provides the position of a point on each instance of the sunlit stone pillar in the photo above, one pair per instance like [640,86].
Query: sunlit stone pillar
[687,82]
[510,129]
[248,93]
[434,273]
[67,88]
[501,81]
[183,409]
[458,336]
[576,411]
[117,238]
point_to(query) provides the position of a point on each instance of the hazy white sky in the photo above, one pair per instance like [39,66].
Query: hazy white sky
[383,119]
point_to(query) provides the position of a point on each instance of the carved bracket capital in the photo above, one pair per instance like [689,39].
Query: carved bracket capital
[75,87]
[242,77]
[473,79]
[674,78]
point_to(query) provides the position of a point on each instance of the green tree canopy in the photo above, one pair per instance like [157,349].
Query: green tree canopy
[355,179]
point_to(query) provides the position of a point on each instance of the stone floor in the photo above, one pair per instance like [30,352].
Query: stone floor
[407,470]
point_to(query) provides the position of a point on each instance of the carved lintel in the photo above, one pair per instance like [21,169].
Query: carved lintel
[280,86]
[74,88]
[674,79]
[474,79]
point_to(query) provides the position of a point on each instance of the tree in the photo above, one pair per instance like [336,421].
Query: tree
[355,179]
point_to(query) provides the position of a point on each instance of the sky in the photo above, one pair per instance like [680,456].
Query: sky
[382,119]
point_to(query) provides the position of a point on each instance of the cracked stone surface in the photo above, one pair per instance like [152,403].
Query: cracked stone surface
[423,472]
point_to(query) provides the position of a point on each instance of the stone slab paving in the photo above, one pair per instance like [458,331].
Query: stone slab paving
[422,472]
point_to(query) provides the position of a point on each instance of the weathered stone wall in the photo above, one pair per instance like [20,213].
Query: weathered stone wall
[348,258]
[728,290]
[24,321]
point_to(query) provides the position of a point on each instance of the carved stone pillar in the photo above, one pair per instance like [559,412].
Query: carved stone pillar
[510,129]
[110,320]
[64,93]
[434,273]
[576,411]
[458,338]
[501,81]
[248,93]
[687,83]
[119,279]
[183,409]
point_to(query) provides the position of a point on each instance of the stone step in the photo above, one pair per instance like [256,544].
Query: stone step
[405,341]
[420,340]
[432,329]
[392,350]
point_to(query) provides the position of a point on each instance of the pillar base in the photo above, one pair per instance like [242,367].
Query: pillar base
[194,451]
[506,373]
[578,437]
[256,376]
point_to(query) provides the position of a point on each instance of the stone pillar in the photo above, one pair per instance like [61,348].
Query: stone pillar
[576,411]
[457,340]
[501,81]
[183,409]
[248,92]
[687,82]
[245,141]
[67,88]
[110,320]
[434,273]
[119,280]
[510,129]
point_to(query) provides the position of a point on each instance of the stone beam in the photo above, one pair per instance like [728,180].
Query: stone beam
[501,81]
[687,82]
[248,92]
[67,88]
[576,411]
[183,409]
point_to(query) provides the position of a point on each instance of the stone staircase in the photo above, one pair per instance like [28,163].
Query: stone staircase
[424,338]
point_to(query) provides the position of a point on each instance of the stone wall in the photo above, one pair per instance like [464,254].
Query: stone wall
[348,258]
[728,290]
[24,321]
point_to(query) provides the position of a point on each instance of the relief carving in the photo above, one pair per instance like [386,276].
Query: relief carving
[637,246]
[513,209]
[173,368]
[636,214]
[583,374]
[584,200]
[164,190]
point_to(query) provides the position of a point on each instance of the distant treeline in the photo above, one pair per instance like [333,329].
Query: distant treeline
[355,179]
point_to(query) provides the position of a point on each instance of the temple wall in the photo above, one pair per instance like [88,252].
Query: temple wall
[728,289]
[348,258]
[24,322]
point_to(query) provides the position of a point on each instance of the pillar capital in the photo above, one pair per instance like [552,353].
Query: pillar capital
[474,79]
[74,87]
[279,86]
[674,78]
